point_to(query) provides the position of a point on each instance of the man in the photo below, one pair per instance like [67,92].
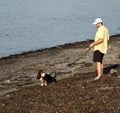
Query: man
[100,46]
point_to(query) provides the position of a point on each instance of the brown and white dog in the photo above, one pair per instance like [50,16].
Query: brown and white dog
[45,78]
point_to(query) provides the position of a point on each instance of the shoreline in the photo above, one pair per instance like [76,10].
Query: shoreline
[66,45]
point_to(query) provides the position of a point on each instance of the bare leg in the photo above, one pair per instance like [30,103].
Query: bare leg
[99,69]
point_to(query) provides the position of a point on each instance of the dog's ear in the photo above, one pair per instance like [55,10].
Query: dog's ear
[40,71]
[38,76]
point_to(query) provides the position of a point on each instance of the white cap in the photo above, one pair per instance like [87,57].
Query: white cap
[97,20]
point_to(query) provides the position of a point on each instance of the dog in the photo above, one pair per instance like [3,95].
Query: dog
[45,78]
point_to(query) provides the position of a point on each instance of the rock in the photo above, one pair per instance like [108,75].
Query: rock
[114,72]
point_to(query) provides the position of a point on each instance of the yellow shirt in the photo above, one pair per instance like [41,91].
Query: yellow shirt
[102,33]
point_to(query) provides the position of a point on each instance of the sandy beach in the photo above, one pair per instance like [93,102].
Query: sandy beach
[20,91]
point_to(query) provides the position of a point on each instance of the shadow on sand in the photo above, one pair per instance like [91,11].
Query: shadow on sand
[107,69]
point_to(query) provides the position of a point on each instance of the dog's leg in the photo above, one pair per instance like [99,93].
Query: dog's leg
[45,83]
[41,81]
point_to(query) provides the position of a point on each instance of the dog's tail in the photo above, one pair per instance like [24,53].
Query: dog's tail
[53,74]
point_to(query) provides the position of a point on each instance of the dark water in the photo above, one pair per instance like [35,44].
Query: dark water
[27,25]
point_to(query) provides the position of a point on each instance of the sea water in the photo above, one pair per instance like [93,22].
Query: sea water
[28,25]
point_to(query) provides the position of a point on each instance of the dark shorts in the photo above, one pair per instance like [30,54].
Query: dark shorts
[98,56]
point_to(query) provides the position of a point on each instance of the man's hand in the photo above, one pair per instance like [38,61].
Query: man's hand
[91,45]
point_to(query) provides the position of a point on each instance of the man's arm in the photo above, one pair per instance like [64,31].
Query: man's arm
[96,43]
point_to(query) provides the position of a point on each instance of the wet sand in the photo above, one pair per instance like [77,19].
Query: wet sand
[21,92]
